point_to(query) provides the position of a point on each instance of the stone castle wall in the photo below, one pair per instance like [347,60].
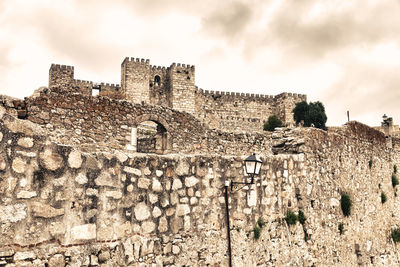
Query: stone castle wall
[104,123]
[175,87]
[60,205]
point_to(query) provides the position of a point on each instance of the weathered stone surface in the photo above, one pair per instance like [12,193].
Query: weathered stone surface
[134,171]
[6,252]
[84,232]
[104,256]
[176,224]
[26,142]
[148,227]
[159,173]
[182,209]
[156,186]
[176,184]
[75,159]
[163,225]
[129,188]
[146,171]
[19,165]
[50,159]
[176,249]
[191,181]
[114,194]
[122,157]
[105,179]
[153,198]
[13,213]
[2,163]
[81,179]
[156,212]
[24,255]
[123,230]
[45,211]
[182,168]
[57,260]
[22,126]
[26,194]
[144,183]
[142,212]
[57,228]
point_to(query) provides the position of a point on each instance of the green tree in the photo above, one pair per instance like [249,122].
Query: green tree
[311,114]
[272,123]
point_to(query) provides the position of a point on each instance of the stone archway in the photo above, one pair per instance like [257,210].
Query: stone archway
[158,142]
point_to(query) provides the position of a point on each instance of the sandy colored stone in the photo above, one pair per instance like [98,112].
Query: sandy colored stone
[13,213]
[81,179]
[26,194]
[146,171]
[51,160]
[114,194]
[191,181]
[156,212]
[153,198]
[57,260]
[19,165]
[104,256]
[57,228]
[83,232]
[124,229]
[142,211]
[159,173]
[144,183]
[182,209]
[2,163]
[176,184]
[182,168]
[104,179]
[163,225]
[156,186]
[39,209]
[134,171]
[129,188]
[24,255]
[176,224]
[26,142]
[175,249]
[75,159]
[148,227]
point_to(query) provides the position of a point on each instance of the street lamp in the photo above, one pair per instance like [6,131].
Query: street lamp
[252,166]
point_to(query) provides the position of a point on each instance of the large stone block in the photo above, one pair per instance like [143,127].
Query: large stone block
[84,232]
[13,213]
[51,160]
[142,211]
[45,211]
[75,159]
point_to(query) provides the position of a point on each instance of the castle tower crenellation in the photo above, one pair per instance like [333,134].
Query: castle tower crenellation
[175,87]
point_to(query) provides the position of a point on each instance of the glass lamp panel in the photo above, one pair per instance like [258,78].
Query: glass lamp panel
[258,167]
[250,167]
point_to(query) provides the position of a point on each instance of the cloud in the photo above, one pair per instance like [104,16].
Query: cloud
[229,20]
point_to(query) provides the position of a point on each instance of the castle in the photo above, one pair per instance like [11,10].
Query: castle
[71,194]
[174,87]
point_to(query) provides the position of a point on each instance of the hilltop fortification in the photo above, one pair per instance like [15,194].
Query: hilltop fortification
[174,87]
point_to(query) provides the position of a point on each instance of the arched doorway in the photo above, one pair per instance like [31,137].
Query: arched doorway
[149,135]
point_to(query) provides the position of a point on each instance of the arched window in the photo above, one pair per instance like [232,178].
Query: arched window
[157,80]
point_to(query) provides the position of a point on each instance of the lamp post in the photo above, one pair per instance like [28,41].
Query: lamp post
[252,166]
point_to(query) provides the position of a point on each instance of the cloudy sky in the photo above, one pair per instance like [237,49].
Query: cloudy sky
[343,53]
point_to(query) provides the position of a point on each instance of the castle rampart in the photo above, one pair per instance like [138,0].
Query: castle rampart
[174,87]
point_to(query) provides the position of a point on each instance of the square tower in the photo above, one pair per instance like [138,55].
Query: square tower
[135,75]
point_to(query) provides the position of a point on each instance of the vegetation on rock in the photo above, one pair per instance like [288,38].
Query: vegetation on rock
[272,123]
[312,114]
[345,204]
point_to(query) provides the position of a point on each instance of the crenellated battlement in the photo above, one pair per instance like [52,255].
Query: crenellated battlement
[175,87]
[61,67]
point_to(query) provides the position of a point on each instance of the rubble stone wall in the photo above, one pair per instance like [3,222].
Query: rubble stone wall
[59,205]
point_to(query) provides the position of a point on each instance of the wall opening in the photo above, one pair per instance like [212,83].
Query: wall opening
[151,137]
[157,80]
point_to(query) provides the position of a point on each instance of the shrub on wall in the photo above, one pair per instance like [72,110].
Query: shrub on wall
[396,235]
[301,217]
[341,228]
[257,232]
[395,168]
[312,114]
[395,181]
[291,217]
[383,197]
[272,123]
[345,204]
[370,163]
